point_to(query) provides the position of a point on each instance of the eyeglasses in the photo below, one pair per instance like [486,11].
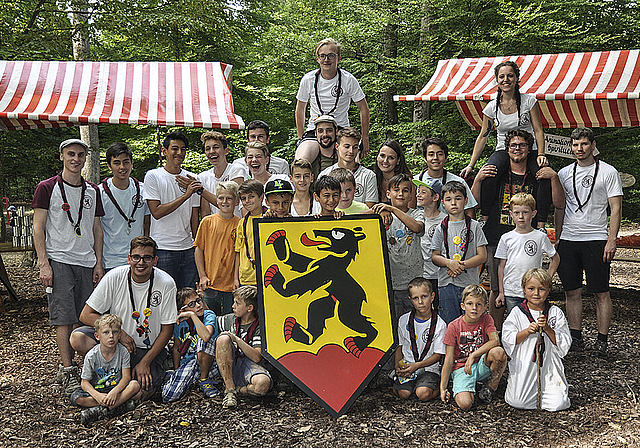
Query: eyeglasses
[329,56]
[192,304]
[146,258]
[518,145]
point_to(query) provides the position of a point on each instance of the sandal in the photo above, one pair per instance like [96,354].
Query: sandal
[230,400]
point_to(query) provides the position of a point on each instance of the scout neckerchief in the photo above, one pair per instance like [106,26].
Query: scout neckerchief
[129,220]
[315,90]
[524,307]
[445,228]
[246,241]
[142,328]
[593,184]
[247,337]
[65,204]
[184,346]
[412,335]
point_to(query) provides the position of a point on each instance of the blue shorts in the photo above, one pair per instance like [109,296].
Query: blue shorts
[467,383]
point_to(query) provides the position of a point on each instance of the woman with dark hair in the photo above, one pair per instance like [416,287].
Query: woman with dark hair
[391,161]
[509,110]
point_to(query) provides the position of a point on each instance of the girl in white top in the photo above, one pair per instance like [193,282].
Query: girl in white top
[510,110]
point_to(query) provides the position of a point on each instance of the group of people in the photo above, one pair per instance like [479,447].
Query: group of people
[179,256]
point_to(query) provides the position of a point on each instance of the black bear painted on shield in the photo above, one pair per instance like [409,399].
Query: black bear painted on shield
[330,274]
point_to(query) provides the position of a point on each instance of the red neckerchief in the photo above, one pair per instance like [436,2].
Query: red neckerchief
[247,338]
[65,204]
[445,228]
[117,206]
[593,184]
[524,307]
[413,339]
[184,346]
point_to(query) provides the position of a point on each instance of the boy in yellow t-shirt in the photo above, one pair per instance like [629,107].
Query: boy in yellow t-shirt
[251,194]
[215,250]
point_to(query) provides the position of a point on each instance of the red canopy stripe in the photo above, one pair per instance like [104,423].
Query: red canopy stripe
[598,89]
[40,94]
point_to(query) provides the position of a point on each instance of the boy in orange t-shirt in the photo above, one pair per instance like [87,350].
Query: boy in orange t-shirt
[215,253]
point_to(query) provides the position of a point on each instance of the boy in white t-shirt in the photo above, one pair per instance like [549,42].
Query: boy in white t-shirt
[520,250]
[126,214]
[421,336]
[216,150]
[172,195]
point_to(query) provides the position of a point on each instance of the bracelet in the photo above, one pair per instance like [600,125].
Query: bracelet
[448,263]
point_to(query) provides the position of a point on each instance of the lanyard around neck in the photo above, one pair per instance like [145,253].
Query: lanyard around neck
[315,90]
[129,220]
[67,208]
[593,184]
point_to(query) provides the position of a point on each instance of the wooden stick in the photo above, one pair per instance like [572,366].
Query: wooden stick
[539,365]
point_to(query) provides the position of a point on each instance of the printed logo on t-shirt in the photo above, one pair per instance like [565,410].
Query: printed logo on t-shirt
[138,204]
[156,298]
[587,181]
[272,170]
[463,235]
[334,91]
[531,247]
[183,189]
[552,321]
[425,336]
[88,202]
[525,118]
[470,341]
[359,190]
[233,235]
[432,230]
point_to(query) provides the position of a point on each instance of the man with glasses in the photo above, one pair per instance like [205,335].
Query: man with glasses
[517,179]
[329,90]
[144,297]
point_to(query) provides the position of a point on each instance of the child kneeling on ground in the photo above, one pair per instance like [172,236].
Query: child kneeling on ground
[473,352]
[106,374]
[421,334]
[194,337]
[520,335]
[239,349]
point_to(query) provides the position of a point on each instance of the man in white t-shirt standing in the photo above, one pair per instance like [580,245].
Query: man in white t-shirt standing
[329,91]
[126,215]
[67,237]
[258,131]
[174,209]
[144,297]
[216,149]
[590,186]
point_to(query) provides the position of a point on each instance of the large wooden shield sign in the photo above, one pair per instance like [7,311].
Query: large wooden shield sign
[326,303]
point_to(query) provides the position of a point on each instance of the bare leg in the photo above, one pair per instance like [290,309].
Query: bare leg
[496,313]
[224,357]
[426,394]
[496,360]
[309,149]
[464,400]
[81,343]
[64,347]
[259,386]
[603,311]
[205,361]
[574,308]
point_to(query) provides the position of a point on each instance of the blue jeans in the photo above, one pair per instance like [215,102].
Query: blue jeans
[450,299]
[180,265]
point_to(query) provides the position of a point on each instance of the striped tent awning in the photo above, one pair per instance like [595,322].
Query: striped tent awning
[46,94]
[599,89]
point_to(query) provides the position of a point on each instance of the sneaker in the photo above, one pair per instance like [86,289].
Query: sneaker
[485,394]
[93,414]
[70,380]
[208,388]
[577,345]
[230,399]
[60,375]
[600,349]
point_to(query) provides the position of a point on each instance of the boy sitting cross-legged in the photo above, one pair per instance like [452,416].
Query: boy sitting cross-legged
[473,352]
[520,335]
[194,338]
[403,239]
[421,334]
[106,374]
[239,349]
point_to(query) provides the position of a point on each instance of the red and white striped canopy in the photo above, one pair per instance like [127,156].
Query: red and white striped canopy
[599,89]
[46,94]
